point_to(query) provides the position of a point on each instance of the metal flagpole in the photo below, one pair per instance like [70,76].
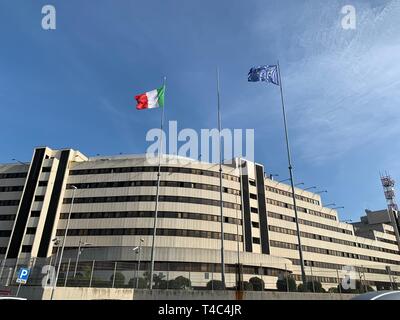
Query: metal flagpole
[303,274]
[157,192]
[220,187]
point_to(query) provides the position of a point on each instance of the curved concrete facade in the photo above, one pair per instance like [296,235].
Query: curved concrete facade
[114,207]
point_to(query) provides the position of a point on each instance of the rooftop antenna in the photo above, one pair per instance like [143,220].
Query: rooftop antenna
[388,189]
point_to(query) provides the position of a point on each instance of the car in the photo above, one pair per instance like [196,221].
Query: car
[11,298]
[379,295]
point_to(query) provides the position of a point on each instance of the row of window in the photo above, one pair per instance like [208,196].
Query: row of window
[301,209]
[11,188]
[13,175]
[179,266]
[150,183]
[151,198]
[5,233]
[329,239]
[5,203]
[293,246]
[149,232]
[7,217]
[150,214]
[390,232]
[387,241]
[334,266]
[321,279]
[308,223]
[153,169]
[289,194]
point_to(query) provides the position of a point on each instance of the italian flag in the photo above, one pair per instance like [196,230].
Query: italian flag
[151,99]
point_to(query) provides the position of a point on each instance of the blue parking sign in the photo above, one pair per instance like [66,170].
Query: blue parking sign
[23,275]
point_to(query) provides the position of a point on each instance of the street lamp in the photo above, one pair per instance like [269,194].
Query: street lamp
[81,243]
[139,251]
[330,204]
[299,184]
[284,180]
[20,162]
[56,243]
[63,244]
[272,175]
[323,191]
[337,208]
[313,187]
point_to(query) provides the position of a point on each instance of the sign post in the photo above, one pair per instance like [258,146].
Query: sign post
[23,275]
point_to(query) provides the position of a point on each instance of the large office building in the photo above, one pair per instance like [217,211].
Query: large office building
[111,204]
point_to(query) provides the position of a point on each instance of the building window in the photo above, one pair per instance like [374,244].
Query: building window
[26,249]
[255,224]
[254,210]
[35,213]
[43,183]
[30,230]
[253,196]
[39,198]
[46,169]
[256,240]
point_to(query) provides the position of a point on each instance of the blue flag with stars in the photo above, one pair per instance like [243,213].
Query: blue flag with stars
[268,73]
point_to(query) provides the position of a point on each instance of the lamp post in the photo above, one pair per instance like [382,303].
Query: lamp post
[78,254]
[20,162]
[139,249]
[313,187]
[57,243]
[299,184]
[63,244]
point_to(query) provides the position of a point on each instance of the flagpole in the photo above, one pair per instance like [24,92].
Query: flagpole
[157,192]
[303,274]
[220,187]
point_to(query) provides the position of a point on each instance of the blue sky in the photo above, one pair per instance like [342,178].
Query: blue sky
[74,86]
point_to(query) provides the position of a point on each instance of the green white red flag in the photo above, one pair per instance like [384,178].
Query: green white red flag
[151,99]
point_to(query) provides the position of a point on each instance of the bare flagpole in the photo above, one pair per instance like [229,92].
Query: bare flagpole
[220,187]
[158,190]
[303,274]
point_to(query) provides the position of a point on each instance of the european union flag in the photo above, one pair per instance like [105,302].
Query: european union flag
[268,73]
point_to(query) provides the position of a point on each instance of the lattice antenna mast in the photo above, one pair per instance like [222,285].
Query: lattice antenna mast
[388,188]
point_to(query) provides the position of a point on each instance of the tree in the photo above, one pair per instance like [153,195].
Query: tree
[179,283]
[283,282]
[119,280]
[158,279]
[215,285]
[247,286]
[142,283]
[311,286]
[257,283]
